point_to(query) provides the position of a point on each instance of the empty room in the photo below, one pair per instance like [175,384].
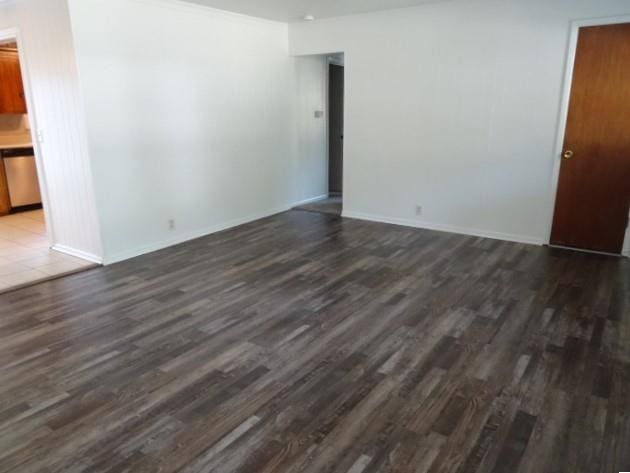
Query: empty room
[349,236]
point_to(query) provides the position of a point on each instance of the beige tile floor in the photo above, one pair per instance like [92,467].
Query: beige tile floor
[25,257]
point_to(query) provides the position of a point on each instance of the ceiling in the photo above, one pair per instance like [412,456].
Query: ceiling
[295,10]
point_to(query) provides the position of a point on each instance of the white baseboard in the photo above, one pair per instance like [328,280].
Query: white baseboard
[310,201]
[445,228]
[160,245]
[78,253]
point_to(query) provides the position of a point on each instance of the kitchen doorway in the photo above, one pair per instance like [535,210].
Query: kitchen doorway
[25,253]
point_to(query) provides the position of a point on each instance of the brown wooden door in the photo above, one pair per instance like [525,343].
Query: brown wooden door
[335,123]
[593,197]
[11,87]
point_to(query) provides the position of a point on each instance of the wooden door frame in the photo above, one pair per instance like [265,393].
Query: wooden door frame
[14,34]
[566,98]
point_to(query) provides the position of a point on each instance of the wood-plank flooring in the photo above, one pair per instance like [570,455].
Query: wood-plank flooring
[332,205]
[309,343]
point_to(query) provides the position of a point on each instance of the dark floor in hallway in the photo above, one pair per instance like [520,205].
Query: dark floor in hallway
[309,343]
[331,205]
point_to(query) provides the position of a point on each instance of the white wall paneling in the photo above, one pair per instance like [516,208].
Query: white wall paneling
[454,106]
[191,117]
[310,160]
[206,118]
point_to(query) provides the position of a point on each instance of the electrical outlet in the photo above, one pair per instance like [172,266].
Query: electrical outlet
[171,224]
[419,210]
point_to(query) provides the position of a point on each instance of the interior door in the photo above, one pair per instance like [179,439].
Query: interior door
[335,136]
[593,197]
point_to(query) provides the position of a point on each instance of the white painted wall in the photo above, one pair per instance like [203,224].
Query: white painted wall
[454,106]
[200,116]
[310,172]
[46,43]
[191,116]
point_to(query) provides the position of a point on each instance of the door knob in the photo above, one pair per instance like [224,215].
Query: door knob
[568,154]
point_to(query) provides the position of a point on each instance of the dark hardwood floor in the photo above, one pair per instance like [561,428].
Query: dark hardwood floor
[332,205]
[309,343]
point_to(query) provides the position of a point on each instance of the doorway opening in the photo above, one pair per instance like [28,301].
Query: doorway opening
[592,207]
[332,202]
[336,87]
[25,253]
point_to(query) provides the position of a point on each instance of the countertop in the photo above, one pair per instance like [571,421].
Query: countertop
[16,145]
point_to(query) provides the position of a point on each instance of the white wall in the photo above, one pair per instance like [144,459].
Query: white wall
[310,174]
[191,116]
[46,43]
[454,106]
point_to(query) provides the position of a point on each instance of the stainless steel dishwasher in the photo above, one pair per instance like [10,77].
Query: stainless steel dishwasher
[21,172]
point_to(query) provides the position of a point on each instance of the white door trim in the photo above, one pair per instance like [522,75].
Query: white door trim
[14,34]
[566,96]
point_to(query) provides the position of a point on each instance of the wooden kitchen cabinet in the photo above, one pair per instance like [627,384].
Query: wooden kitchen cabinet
[11,86]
